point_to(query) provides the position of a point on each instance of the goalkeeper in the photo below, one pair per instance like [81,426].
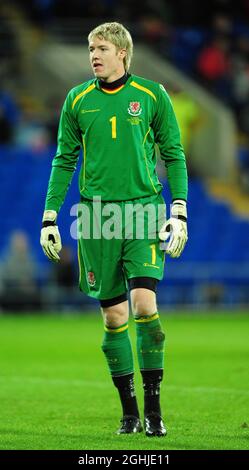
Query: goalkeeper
[117,118]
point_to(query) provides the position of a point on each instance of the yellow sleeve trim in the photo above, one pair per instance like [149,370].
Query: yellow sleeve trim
[78,253]
[90,88]
[146,90]
[117,330]
[146,163]
[84,163]
[146,320]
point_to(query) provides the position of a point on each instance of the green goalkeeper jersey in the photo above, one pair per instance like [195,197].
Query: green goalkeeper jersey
[117,131]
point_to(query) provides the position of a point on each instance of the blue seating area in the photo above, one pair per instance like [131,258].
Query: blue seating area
[214,232]
[216,256]
[216,235]
[24,177]
[185,46]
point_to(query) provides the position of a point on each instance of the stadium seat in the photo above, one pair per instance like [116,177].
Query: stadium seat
[215,233]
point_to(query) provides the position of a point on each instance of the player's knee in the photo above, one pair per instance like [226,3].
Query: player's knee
[143,302]
[115,315]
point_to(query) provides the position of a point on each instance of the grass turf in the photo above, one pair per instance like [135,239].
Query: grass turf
[56,393]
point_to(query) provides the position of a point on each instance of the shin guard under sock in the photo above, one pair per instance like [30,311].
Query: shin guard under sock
[150,342]
[117,349]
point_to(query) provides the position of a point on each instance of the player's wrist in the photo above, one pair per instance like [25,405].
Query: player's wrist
[179,210]
[49,218]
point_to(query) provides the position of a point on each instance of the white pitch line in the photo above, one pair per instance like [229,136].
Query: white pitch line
[82,383]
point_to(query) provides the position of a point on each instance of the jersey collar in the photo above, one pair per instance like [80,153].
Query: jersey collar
[115,86]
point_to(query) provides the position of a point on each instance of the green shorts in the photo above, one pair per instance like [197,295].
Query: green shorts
[119,241]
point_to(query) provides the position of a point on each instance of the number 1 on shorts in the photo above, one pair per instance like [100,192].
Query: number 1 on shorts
[153,253]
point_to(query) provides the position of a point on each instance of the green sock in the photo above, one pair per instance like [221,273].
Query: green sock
[117,349]
[150,342]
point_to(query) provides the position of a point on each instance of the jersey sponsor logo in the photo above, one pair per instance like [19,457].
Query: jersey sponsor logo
[135,108]
[134,120]
[91,279]
[90,110]
[148,265]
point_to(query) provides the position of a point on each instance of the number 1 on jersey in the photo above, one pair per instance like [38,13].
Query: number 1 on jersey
[113,121]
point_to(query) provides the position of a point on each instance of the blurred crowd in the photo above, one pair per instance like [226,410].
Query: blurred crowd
[24,123]
[182,12]
[23,285]
[208,41]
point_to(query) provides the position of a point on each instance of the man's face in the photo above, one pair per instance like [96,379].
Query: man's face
[106,60]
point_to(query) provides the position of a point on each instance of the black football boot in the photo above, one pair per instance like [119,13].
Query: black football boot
[130,425]
[154,426]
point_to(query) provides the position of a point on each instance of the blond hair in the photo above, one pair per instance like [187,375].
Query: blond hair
[118,35]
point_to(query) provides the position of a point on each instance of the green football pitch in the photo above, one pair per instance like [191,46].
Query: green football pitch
[56,393]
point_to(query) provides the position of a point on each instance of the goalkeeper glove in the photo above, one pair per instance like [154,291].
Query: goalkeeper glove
[175,229]
[50,237]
